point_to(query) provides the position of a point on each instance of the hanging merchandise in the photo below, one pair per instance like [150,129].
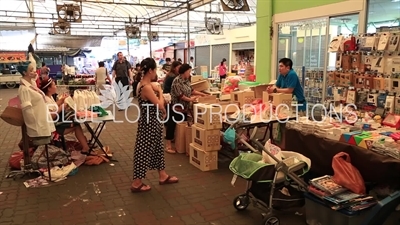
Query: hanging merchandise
[394,40]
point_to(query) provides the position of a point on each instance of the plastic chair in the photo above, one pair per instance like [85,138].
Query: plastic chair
[379,213]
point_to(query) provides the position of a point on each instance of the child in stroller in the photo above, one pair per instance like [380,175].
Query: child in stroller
[270,185]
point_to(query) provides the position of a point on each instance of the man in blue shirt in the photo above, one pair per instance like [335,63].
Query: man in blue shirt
[288,83]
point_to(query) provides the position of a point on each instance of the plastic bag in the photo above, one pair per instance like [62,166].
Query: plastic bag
[346,175]
[231,83]
[230,137]
[274,150]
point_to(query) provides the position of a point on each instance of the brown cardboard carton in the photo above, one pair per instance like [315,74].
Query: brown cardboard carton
[259,89]
[243,97]
[207,99]
[188,138]
[201,85]
[204,161]
[196,78]
[180,144]
[279,98]
[207,116]
[206,140]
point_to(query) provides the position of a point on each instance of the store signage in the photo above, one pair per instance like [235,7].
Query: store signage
[202,39]
[12,57]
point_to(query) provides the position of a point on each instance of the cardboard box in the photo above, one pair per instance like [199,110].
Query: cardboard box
[204,161]
[196,78]
[208,99]
[224,97]
[265,97]
[243,97]
[259,89]
[207,116]
[206,140]
[228,107]
[180,131]
[201,85]
[278,98]
[188,139]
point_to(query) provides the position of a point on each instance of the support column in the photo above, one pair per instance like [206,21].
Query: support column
[188,33]
[150,37]
[263,49]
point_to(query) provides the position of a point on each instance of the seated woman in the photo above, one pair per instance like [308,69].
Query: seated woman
[49,88]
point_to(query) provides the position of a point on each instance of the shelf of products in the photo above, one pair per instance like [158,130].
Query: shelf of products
[367,71]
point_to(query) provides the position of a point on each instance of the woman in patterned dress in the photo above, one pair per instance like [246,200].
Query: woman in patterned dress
[149,149]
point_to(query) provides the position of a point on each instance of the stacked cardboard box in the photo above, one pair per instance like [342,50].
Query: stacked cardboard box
[206,136]
[188,128]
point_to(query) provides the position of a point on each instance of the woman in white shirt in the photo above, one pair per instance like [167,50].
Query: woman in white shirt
[101,76]
[49,88]
[33,104]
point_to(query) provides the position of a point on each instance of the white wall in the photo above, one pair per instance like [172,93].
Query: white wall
[244,34]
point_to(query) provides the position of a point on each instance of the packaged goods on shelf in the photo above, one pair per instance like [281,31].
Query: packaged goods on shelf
[206,140]
[207,116]
[204,161]
[204,71]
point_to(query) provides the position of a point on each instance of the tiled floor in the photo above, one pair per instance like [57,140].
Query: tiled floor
[100,194]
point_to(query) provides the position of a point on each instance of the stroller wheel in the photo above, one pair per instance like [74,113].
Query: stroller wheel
[273,220]
[241,202]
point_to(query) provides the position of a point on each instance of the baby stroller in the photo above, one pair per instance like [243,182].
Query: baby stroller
[265,180]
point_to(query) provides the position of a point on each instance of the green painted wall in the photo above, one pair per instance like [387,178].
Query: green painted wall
[265,10]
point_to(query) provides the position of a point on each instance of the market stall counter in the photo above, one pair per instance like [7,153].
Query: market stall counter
[372,166]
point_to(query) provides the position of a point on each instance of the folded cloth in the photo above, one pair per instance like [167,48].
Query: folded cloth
[95,160]
[60,173]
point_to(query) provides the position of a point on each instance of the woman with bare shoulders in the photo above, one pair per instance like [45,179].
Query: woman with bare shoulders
[149,149]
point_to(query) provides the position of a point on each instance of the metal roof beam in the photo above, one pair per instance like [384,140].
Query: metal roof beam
[131,4]
[194,4]
[41,15]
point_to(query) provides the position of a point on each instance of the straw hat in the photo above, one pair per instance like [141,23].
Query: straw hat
[13,116]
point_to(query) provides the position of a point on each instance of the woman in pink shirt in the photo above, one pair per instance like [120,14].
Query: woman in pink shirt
[222,69]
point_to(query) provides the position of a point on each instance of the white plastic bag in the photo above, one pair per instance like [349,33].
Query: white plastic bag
[96,99]
[274,150]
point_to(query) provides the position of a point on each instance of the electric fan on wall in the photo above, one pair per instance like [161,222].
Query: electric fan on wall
[153,36]
[133,32]
[214,25]
[235,5]
[69,13]
[62,28]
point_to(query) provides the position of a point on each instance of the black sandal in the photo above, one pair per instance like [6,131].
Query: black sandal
[85,153]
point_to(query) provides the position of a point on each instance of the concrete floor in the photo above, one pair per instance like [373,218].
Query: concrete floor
[100,194]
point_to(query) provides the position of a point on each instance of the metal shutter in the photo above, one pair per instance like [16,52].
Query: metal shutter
[202,58]
[243,46]
[180,54]
[192,53]
[218,53]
